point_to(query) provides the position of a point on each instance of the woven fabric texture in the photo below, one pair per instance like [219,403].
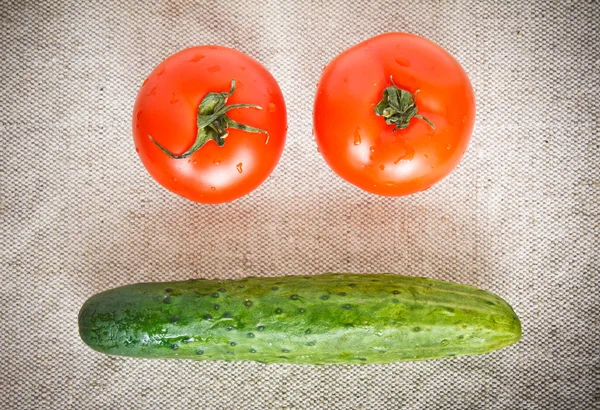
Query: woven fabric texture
[79,213]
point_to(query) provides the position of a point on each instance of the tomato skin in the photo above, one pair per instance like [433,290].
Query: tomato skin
[360,147]
[166,108]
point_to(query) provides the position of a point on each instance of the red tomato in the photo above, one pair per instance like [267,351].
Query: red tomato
[168,114]
[393,151]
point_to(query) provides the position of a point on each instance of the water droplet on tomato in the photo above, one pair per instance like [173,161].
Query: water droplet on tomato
[402,61]
[152,91]
[160,72]
[357,139]
[448,146]
[189,160]
[137,150]
[372,149]
[217,161]
[346,79]
[145,81]
[272,107]
[174,179]
[318,149]
[464,119]
[270,91]
[194,162]
[382,167]
[243,68]
[239,167]
[197,57]
[174,98]
[212,188]
[407,155]
[426,156]
[214,69]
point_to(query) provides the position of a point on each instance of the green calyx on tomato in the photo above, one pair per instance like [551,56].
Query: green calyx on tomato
[213,122]
[398,107]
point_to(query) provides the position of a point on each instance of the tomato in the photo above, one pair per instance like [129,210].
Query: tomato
[393,115]
[209,124]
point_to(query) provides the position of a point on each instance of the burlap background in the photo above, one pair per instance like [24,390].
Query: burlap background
[79,214]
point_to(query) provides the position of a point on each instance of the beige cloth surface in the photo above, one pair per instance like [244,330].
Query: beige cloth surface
[79,213]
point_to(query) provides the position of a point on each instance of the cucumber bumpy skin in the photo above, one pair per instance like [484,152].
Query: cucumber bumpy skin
[320,319]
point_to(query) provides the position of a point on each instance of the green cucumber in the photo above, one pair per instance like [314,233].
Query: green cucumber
[320,319]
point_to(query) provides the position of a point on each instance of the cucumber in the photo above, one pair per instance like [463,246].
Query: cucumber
[319,319]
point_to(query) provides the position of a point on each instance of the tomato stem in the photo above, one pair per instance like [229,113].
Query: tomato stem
[212,121]
[398,107]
